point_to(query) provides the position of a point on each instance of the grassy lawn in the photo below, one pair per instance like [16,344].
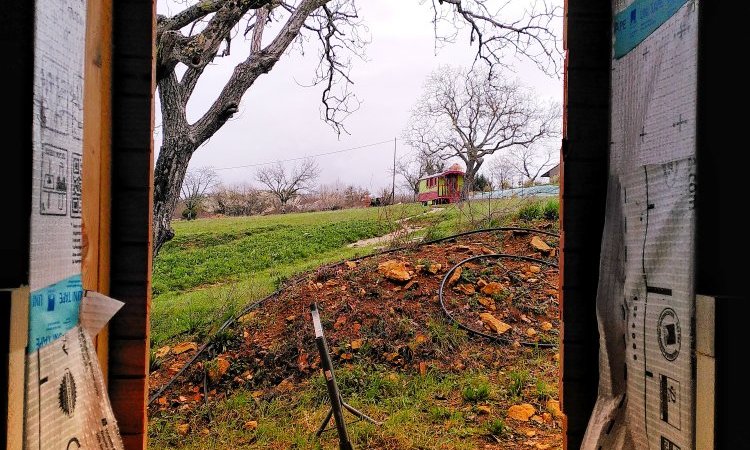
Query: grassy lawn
[213,267]
[479,214]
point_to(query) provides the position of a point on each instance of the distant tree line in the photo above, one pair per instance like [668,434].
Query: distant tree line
[282,189]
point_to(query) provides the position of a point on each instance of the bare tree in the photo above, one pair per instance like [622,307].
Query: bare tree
[239,200]
[202,31]
[196,185]
[530,161]
[286,185]
[431,165]
[334,196]
[411,169]
[470,114]
[410,174]
[503,172]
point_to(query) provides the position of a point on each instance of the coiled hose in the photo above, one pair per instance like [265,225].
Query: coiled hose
[473,331]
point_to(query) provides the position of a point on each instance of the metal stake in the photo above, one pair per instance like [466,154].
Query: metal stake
[333,390]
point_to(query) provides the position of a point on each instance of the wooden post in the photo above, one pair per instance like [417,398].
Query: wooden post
[133,27]
[583,188]
[97,157]
[19,320]
[705,357]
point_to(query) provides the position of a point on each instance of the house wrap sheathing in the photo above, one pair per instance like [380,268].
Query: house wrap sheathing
[645,298]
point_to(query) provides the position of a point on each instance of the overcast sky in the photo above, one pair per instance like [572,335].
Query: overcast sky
[280,119]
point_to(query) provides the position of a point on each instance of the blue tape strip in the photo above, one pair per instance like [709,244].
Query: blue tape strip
[636,22]
[54,311]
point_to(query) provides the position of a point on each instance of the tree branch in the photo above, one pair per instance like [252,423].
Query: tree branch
[248,71]
[530,35]
[337,28]
[187,16]
[260,24]
[198,50]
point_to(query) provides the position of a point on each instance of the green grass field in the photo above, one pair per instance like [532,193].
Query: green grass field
[213,267]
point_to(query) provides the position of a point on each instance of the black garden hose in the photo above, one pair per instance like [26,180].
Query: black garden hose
[470,330]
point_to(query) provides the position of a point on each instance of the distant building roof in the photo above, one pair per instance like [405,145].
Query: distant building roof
[455,168]
[553,172]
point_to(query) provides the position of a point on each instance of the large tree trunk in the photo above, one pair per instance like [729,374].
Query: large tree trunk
[471,171]
[169,173]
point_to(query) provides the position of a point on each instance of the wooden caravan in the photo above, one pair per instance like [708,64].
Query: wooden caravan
[442,188]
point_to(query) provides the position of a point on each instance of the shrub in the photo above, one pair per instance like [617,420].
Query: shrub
[439,413]
[551,209]
[529,212]
[433,233]
[223,340]
[190,213]
[370,384]
[446,337]
[153,361]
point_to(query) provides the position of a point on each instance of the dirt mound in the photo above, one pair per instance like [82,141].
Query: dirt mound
[390,317]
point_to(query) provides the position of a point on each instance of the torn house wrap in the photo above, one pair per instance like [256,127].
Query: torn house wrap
[645,299]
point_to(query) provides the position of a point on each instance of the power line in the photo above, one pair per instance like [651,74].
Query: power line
[306,157]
